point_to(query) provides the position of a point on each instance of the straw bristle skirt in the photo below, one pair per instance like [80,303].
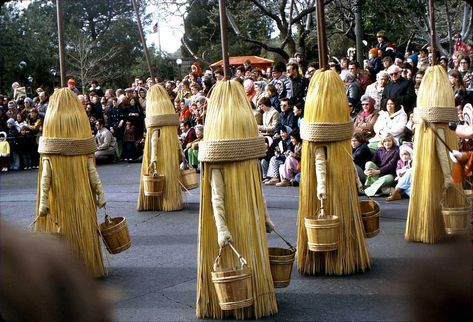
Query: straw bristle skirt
[168,154]
[72,205]
[342,200]
[245,213]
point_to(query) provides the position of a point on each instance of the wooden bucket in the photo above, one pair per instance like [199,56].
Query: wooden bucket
[322,233]
[370,216]
[456,219]
[189,178]
[153,184]
[115,234]
[281,261]
[233,285]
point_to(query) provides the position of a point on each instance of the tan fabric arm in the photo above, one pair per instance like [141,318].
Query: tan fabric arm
[320,172]
[45,185]
[96,183]
[442,155]
[218,204]
[154,145]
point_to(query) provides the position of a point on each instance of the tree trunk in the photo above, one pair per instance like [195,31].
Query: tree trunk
[359,30]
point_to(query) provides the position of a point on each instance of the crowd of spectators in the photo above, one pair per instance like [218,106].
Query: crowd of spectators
[381,97]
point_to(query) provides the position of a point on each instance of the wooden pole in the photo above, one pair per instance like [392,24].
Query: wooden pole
[143,40]
[60,35]
[223,37]
[432,32]
[321,37]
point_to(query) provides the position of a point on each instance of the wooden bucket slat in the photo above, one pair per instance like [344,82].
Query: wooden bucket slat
[115,235]
[153,185]
[322,234]
[281,261]
[190,179]
[233,287]
[456,219]
[370,216]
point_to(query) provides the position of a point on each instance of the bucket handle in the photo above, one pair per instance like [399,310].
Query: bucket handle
[444,196]
[58,228]
[293,249]
[321,211]
[243,262]
[107,218]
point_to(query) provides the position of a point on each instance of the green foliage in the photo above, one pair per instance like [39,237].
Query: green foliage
[202,29]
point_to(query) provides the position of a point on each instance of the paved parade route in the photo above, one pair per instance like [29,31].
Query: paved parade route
[155,279]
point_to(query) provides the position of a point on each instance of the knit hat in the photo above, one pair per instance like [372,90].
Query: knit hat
[405,148]
[369,99]
[2,133]
[381,33]
[11,121]
[71,81]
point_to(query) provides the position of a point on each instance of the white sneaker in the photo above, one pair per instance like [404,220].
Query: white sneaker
[4,169]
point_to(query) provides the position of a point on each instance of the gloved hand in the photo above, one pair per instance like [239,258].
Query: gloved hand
[455,155]
[269,224]
[102,201]
[43,209]
[224,237]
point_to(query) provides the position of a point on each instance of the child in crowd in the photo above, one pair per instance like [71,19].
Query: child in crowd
[4,152]
[129,141]
[405,161]
[291,166]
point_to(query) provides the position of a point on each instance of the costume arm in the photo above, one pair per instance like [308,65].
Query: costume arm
[154,145]
[45,185]
[96,183]
[442,155]
[320,172]
[217,184]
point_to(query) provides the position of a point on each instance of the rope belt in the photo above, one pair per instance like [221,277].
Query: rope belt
[232,150]
[435,114]
[326,132]
[66,146]
[162,120]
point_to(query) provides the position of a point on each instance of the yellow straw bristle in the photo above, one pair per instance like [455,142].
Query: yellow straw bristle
[71,200]
[229,117]
[327,102]
[424,219]
[168,158]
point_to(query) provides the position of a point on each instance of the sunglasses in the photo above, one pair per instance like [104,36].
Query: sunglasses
[394,74]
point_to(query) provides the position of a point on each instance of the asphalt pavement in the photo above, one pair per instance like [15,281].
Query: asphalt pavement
[155,279]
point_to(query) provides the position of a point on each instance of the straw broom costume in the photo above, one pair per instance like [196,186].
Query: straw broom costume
[328,173]
[232,206]
[161,152]
[431,175]
[69,188]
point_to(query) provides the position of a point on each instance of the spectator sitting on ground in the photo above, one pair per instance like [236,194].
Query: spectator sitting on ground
[291,166]
[106,143]
[380,171]
[361,154]
[281,151]
[375,90]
